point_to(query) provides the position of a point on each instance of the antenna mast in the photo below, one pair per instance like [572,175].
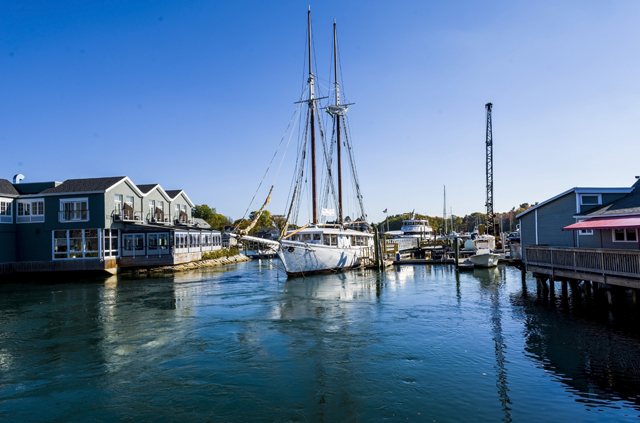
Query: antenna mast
[489,204]
[312,106]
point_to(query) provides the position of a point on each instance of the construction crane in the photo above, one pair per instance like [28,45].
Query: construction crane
[490,216]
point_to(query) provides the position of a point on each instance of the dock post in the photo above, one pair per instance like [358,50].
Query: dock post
[563,283]
[456,250]
[609,297]
[376,241]
[633,295]
[552,287]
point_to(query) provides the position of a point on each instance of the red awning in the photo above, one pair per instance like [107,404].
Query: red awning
[624,222]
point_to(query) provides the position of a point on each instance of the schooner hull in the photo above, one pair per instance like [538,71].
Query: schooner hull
[301,260]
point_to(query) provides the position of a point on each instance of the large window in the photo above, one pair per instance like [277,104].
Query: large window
[74,210]
[6,207]
[625,235]
[110,246]
[78,243]
[30,211]
[117,201]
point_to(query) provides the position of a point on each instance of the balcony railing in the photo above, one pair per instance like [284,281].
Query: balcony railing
[159,218]
[182,220]
[73,216]
[127,216]
[601,261]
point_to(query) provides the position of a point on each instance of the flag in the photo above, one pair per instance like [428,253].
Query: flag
[385,210]
[328,212]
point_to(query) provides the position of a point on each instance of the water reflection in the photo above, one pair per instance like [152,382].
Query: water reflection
[413,343]
[492,279]
[598,361]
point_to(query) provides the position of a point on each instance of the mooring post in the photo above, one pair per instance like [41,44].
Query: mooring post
[457,251]
[376,247]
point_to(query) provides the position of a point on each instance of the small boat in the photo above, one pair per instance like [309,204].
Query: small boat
[484,256]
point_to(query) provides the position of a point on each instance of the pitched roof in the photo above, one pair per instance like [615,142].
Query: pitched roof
[146,188]
[83,185]
[629,204]
[173,193]
[7,188]
[201,223]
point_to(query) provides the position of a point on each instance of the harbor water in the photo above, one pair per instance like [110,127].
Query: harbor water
[243,343]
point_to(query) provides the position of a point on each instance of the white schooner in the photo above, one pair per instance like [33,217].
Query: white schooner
[329,246]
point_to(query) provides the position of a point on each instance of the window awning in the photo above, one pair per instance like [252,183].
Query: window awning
[623,222]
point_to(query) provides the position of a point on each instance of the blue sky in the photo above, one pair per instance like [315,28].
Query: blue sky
[196,95]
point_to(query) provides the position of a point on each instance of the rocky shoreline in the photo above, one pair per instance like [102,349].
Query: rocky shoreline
[191,265]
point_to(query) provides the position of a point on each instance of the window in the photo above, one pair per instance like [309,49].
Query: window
[590,199]
[129,201]
[110,246]
[625,235]
[6,207]
[152,206]
[74,210]
[79,243]
[117,201]
[30,211]
[585,232]
[306,237]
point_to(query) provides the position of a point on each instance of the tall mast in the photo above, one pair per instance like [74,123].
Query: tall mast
[313,128]
[444,211]
[335,71]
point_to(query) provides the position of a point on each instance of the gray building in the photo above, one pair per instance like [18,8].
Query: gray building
[98,224]
[552,222]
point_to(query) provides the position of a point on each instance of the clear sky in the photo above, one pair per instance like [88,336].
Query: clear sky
[195,95]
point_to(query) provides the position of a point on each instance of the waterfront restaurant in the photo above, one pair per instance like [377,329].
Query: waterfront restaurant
[98,224]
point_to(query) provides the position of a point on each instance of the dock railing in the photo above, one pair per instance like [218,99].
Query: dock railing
[600,261]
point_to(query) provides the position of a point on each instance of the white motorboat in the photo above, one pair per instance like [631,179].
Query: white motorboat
[417,228]
[317,248]
[484,256]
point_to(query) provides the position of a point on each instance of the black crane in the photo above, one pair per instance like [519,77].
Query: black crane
[489,204]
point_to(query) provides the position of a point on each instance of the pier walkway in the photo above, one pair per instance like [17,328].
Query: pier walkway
[602,268]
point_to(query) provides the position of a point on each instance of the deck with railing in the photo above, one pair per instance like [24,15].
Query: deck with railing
[603,265]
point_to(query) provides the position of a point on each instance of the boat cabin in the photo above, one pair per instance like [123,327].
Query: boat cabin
[485,242]
[332,237]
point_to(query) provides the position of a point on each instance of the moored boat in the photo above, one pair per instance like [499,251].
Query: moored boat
[318,247]
[484,256]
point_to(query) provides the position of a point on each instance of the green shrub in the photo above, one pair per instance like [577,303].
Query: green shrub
[225,252]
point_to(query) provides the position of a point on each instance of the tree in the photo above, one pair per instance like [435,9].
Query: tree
[211,216]
[204,212]
[278,220]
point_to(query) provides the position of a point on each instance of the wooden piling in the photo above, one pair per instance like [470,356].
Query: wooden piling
[563,284]
[376,241]
[456,250]
[609,297]
[633,296]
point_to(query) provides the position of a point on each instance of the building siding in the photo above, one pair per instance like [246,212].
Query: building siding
[125,189]
[554,216]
